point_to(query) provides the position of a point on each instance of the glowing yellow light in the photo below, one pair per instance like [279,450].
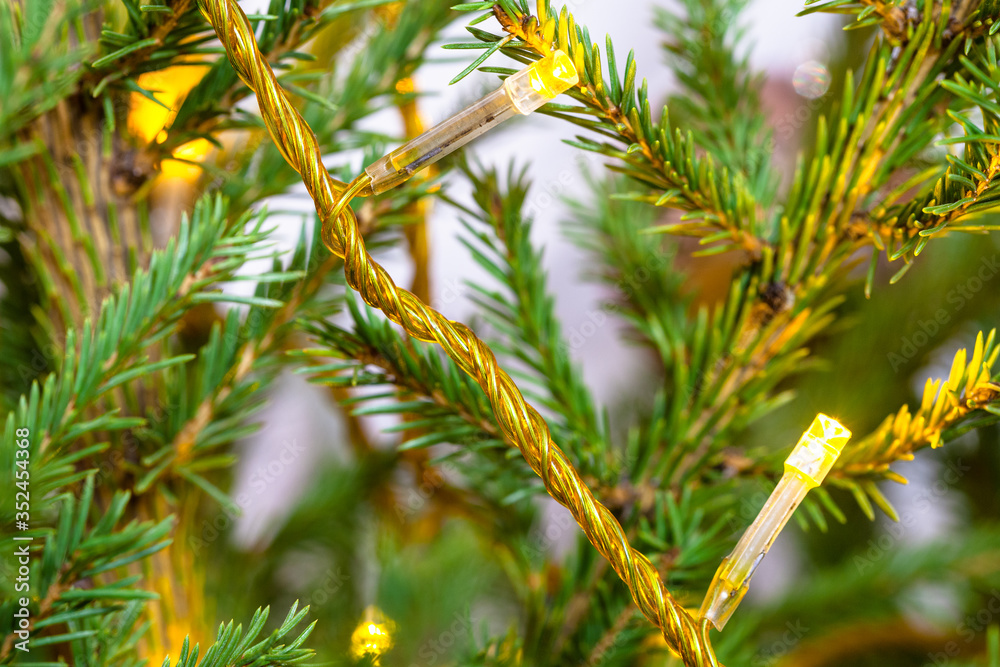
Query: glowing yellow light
[148,120]
[805,468]
[194,151]
[553,74]
[405,85]
[373,636]
[817,449]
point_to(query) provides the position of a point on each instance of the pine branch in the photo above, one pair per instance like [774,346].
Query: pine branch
[722,365]
[112,640]
[773,309]
[895,20]
[107,353]
[449,405]
[234,368]
[962,20]
[880,128]
[438,403]
[157,36]
[66,583]
[968,400]
[970,185]
[894,101]
[742,349]
[235,648]
[876,139]
[26,27]
[66,409]
[719,101]
[721,205]
[162,27]
[524,313]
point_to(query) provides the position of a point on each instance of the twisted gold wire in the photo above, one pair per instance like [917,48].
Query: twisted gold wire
[520,423]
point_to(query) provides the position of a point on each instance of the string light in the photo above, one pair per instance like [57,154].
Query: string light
[805,469]
[520,93]
[373,636]
[521,424]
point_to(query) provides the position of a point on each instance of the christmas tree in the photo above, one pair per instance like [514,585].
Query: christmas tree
[139,144]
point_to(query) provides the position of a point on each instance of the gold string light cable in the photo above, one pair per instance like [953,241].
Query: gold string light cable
[521,424]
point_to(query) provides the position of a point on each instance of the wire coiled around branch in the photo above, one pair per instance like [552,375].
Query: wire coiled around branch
[521,424]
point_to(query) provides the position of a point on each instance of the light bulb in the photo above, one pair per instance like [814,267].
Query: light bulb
[520,93]
[373,636]
[805,469]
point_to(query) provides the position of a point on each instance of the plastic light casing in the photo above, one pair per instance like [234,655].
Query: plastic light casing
[805,469]
[520,93]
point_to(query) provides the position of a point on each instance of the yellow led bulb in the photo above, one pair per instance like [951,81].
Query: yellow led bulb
[373,636]
[818,448]
[521,93]
[805,468]
[540,82]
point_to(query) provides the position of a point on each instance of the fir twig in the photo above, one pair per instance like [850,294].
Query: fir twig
[969,398]
[524,314]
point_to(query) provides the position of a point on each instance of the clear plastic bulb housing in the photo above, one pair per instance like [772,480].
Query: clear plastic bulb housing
[520,93]
[805,469]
